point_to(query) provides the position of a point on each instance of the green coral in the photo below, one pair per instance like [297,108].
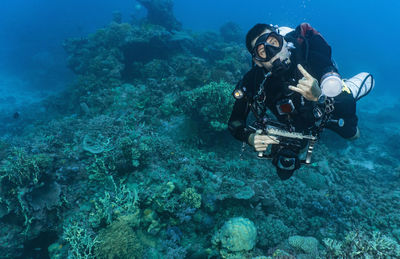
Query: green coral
[191,198]
[272,231]
[211,104]
[135,148]
[162,197]
[113,36]
[100,168]
[128,152]
[314,180]
[81,240]
[121,201]
[197,73]
[23,169]
[115,208]
[334,247]
[169,105]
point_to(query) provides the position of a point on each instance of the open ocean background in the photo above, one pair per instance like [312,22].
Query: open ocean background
[352,182]
[362,33]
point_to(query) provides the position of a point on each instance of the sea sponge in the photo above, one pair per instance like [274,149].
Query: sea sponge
[237,234]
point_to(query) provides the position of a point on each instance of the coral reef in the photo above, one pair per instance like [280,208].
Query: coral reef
[161,12]
[119,240]
[81,241]
[363,245]
[210,104]
[308,245]
[231,31]
[134,161]
[191,198]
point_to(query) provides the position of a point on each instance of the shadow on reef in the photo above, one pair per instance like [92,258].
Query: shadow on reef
[134,161]
[37,248]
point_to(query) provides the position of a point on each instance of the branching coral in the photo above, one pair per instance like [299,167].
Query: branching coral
[121,201]
[23,169]
[363,245]
[81,240]
[118,207]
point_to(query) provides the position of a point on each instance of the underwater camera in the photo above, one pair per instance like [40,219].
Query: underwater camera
[285,155]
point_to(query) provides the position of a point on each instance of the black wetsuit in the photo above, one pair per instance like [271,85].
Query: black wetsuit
[314,54]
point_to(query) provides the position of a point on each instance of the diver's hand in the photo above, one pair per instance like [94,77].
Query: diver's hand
[261,142]
[307,86]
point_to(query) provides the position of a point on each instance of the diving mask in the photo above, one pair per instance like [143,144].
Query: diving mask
[267,46]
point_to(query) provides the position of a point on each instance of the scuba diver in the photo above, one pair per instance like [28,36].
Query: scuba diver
[294,91]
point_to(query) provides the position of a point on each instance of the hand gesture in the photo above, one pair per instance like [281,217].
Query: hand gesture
[307,86]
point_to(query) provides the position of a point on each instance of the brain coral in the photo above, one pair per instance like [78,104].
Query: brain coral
[237,234]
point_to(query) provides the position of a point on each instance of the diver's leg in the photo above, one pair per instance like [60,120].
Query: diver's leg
[345,109]
[356,136]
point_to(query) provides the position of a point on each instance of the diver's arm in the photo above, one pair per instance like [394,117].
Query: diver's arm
[237,121]
[241,108]
[319,53]
[320,61]
[322,67]
[327,74]
[237,127]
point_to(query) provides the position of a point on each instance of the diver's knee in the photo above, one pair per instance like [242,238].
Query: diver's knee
[356,135]
[285,174]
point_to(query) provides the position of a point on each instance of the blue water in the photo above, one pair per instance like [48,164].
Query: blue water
[363,34]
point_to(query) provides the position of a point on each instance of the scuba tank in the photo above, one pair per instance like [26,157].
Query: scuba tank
[283,30]
[360,84]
